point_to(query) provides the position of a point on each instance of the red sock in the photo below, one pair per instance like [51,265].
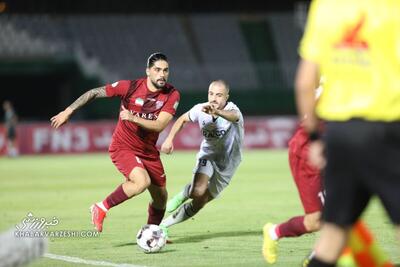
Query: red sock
[155,215]
[293,227]
[115,198]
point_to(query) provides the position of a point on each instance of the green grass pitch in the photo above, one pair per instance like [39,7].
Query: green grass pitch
[227,232]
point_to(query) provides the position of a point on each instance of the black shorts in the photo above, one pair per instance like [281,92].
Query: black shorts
[363,160]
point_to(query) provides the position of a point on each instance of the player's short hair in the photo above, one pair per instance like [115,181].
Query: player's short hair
[155,57]
[224,83]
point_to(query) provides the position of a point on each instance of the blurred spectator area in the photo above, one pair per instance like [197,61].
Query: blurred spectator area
[256,54]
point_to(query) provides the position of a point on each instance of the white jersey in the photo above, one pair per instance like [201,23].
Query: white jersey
[222,143]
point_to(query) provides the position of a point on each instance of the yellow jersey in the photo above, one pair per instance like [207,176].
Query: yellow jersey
[356,44]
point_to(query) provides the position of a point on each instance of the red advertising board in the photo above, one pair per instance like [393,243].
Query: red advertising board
[82,137]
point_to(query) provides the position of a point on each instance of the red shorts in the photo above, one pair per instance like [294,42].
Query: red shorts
[125,160]
[308,181]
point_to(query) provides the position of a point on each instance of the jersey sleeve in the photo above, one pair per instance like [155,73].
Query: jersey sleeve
[311,45]
[194,112]
[232,107]
[119,88]
[172,103]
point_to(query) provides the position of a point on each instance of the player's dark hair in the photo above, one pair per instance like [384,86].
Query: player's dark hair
[155,57]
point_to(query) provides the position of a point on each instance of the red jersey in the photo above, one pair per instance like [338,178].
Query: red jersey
[136,97]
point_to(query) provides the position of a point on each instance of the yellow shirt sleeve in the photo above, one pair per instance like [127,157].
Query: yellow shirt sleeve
[311,45]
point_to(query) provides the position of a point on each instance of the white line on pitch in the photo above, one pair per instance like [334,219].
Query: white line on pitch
[87,262]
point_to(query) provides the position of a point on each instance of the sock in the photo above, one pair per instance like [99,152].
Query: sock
[272,233]
[315,262]
[155,215]
[115,198]
[186,190]
[182,214]
[293,227]
[102,206]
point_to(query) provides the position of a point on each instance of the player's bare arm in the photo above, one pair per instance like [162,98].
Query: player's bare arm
[168,146]
[62,117]
[157,125]
[230,115]
[306,82]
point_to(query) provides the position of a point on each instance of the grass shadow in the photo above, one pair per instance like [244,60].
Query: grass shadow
[125,244]
[202,237]
[134,244]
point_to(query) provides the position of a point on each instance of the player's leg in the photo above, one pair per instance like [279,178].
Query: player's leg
[294,227]
[312,222]
[297,226]
[207,185]
[200,196]
[309,186]
[157,189]
[137,180]
[12,149]
[202,166]
[200,192]
[156,209]
[330,245]
[179,198]
[347,193]
[385,180]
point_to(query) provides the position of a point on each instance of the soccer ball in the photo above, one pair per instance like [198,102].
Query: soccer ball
[151,238]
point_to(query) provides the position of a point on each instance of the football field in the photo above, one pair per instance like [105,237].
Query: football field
[227,232]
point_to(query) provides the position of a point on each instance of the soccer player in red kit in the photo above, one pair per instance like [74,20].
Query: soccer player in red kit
[147,106]
[309,185]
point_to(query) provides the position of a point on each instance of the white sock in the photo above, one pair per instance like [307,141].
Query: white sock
[182,214]
[272,233]
[101,206]
[186,191]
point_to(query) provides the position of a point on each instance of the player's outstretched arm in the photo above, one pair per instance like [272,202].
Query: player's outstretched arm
[157,125]
[230,115]
[168,146]
[62,117]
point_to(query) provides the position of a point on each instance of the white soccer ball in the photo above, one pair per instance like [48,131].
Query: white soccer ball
[151,238]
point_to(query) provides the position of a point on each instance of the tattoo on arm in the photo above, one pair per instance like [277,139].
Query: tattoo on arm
[88,96]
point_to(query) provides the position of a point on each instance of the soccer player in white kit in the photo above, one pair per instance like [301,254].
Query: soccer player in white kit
[221,124]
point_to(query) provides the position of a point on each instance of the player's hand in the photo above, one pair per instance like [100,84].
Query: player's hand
[126,115]
[316,154]
[167,147]
[61,118]
[210,109]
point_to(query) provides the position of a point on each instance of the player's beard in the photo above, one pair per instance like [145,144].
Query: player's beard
[156,85]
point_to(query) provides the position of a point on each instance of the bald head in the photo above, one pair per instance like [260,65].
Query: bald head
[218,93]
[221,84]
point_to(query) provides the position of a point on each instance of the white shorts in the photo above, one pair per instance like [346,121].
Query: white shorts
[216,183]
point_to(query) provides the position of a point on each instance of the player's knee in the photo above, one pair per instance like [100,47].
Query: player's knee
[198,192]
[141,183]
[312,221]
[146,183]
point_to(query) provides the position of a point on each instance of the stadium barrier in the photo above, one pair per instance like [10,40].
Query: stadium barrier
[83,137]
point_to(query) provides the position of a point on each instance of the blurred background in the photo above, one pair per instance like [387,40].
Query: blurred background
[52,51]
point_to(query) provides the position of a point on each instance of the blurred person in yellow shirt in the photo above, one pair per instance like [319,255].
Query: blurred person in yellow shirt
[355,45]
